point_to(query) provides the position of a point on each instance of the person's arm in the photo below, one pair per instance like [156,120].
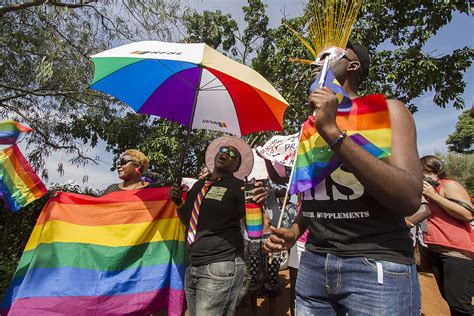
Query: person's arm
[402,168]
[453,190]
[423,213]
[273,174]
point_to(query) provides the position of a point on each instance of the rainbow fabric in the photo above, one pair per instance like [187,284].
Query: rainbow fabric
[122,253]
[10,131]
[254,220]
[19,184]
[367,123]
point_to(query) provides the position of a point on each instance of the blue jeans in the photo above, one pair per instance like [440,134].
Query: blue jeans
[213,289]
[333,285]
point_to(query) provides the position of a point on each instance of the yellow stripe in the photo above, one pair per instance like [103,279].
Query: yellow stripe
[382,138]
[110,235]
[19,184]
[253,217]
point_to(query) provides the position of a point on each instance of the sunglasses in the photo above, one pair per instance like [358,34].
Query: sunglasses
[123,162]
[226,150]
[433,183]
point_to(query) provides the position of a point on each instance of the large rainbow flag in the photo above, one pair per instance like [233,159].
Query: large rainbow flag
[19,184]
[367,123]
[122,253]
[10,131]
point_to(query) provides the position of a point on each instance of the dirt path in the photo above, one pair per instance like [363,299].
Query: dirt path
[432,304]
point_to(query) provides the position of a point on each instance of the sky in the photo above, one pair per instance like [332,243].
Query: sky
[433,124]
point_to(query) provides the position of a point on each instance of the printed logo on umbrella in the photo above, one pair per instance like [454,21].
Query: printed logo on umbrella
[220,124]
[142,52]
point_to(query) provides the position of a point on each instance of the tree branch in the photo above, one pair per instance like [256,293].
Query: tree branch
[35,3]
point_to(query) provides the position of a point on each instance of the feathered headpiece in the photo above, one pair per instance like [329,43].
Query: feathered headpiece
[330,24]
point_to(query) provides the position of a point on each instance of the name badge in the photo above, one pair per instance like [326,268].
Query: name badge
[216,193]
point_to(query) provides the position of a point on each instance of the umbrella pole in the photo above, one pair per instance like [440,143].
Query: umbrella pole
[321,81]
[183,155]
[188,134]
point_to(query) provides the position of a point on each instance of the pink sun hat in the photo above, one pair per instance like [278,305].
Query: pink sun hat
[245,152]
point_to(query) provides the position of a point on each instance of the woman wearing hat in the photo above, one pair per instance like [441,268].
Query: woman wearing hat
[130,168]
[212,213]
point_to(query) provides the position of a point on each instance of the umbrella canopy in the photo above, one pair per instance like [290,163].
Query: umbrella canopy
[191,84]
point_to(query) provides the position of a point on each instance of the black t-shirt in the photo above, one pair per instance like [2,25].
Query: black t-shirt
[344,220]
[218,237]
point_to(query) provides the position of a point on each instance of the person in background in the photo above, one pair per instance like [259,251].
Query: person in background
[130,167]
[448,236]
[263,270]
[212,212]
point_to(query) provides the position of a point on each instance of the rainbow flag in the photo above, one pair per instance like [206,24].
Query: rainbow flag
[331,82]
[122,253]
[254,220]
[19,184]
[367,123]
[10,131]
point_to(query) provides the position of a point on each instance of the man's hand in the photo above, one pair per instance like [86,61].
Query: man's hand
[280,239]
[325,103]
[176,193]
[260,194]
[428,190]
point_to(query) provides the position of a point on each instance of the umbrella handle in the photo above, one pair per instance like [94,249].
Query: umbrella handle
[179,178]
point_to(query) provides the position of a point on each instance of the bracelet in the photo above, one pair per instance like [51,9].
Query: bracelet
[338,139]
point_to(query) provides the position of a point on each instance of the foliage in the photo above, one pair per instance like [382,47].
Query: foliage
[462,140]
[460,167]
[45,66]
[45,46]
[16,227]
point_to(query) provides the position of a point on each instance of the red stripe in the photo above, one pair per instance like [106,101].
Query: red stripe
[114,197]
[367,104]
[113,211]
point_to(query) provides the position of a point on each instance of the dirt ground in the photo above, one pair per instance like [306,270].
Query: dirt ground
[431,301]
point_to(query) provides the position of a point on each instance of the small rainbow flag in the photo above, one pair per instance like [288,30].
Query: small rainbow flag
[10,131]
[122,253]
[254,220]
[367,123]
[331,82]
[19,184]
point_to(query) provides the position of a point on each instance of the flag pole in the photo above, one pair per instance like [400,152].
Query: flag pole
[321,81]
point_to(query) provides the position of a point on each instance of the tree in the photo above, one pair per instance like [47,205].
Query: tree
[44,61]
[44,53]
[460,167]
[462,140]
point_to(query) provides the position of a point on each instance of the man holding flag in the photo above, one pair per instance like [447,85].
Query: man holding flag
[359,258]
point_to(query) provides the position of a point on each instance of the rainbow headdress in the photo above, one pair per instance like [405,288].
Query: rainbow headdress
[367,123]
[19,184]
[123,253]
[10,131]
[254,220]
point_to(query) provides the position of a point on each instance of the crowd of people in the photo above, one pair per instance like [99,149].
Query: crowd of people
[351,253]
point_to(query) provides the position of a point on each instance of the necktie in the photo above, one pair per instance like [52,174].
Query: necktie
[192,230]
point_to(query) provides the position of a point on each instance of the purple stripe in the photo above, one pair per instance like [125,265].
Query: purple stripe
[174,99]
[148,302]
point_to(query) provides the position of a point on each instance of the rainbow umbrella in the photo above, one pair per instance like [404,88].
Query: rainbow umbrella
[191,84]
